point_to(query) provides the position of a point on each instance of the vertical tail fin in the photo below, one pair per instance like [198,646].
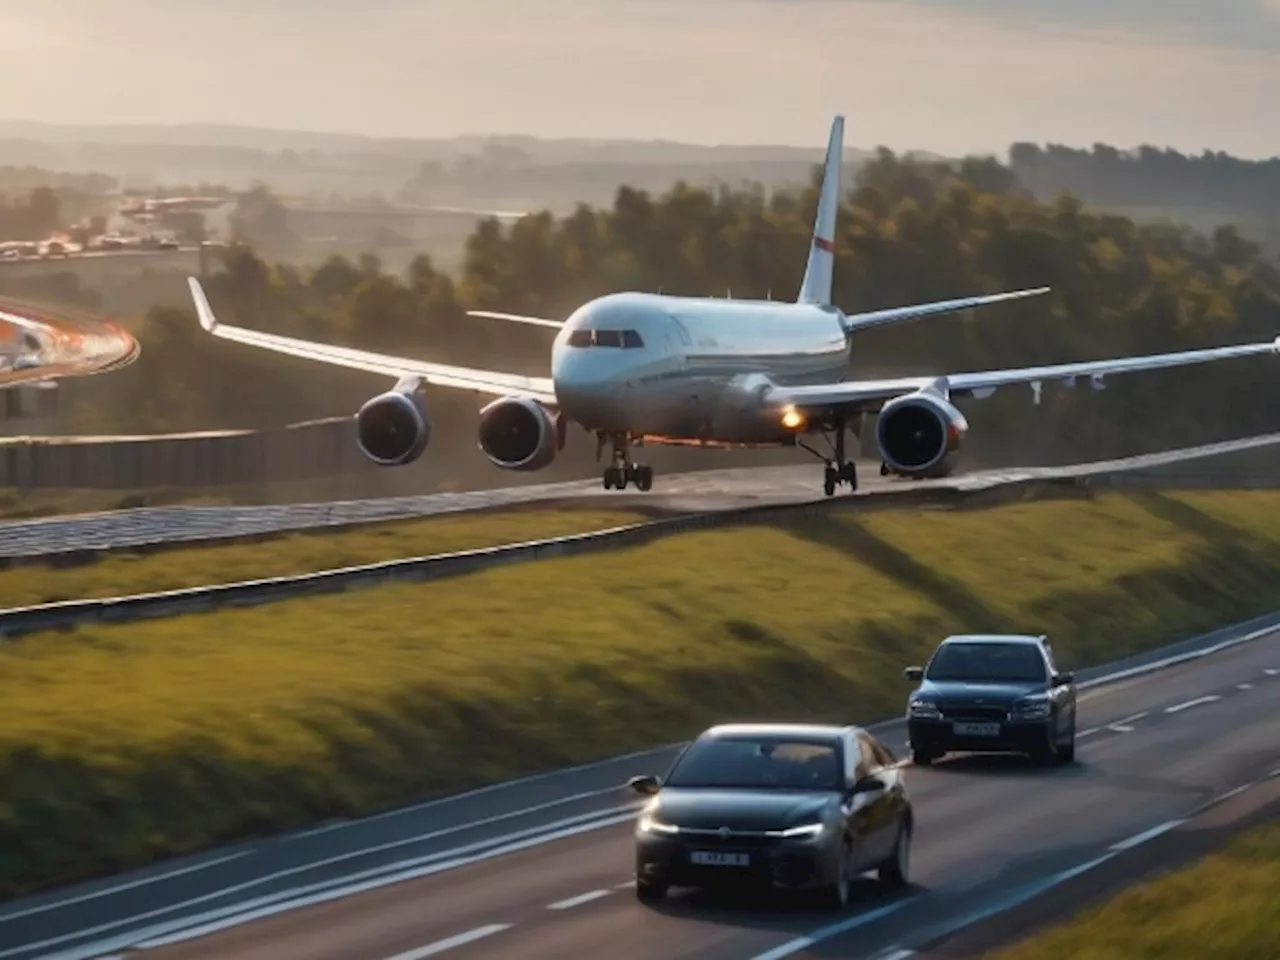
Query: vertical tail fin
[816,287]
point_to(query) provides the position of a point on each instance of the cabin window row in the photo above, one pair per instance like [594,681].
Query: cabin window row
[626,339]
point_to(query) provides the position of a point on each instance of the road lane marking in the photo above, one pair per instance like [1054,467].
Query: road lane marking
[462,939]
[897,953]
[834,930]
[1188,704]
[220,918]
[1140,838]
[1244,686]
[1125,725]
[578,900]
[1087,733]
[1270,672]
[120,888]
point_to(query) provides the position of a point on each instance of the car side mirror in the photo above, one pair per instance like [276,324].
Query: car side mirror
[867,785]
[648,785]
[1065,677]
[914,674]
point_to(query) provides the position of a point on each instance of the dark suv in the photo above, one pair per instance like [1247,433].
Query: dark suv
[992,693]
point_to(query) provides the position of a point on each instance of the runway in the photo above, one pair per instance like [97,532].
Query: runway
[541,868]
[694,492]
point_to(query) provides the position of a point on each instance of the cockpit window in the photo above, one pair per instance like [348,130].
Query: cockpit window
[626,339]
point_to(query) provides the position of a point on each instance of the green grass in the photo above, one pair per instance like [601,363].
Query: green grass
[124,743]
[1222,907]
[126,572]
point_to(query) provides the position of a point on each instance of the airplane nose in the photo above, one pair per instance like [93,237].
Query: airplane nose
[589,391]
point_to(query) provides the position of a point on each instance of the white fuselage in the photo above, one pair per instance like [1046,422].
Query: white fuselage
[691,369]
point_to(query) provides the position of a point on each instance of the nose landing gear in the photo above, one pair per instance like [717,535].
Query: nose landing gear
[623,470]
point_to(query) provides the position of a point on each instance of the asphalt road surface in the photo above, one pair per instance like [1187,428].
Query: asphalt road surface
[694,492]
[542,868]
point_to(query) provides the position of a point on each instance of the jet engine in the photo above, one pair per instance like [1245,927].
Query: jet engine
[393,429]
[517,433]
[920,434]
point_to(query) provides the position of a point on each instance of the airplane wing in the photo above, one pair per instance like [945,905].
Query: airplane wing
[875,318]
[855,394]
[462,378]
[517,318]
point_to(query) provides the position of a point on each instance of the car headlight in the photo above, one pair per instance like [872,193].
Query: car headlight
[650,824]
[803,831]
[1032,708]
[923,709]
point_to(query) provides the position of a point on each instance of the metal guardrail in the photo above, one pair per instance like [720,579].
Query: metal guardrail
[63,614]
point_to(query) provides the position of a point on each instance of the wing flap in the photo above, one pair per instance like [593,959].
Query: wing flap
[438,374]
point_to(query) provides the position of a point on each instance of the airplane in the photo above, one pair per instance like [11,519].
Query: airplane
[636,368]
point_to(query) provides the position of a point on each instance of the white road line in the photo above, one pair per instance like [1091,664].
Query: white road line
[897,954]
[1244,686]
[120,888]
[1125,725]
[186,927]
[1145,835]
[1177,708]
[579,900]
[826,933]
[1087,733]
[625,886]
[462,939]
[1270,672]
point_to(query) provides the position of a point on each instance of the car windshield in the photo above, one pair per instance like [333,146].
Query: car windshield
[758,763]
[996,662]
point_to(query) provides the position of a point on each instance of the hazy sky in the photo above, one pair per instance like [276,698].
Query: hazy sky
[949,75]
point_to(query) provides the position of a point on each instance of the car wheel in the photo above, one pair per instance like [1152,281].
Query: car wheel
[1067,752]
[838,893]
[895,872]
[921,757]
[650,892]
[1047,751]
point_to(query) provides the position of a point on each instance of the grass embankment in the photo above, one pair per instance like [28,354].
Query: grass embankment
[1222,907]
[191,565]
[122,743]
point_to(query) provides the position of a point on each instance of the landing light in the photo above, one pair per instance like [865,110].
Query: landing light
[792,418]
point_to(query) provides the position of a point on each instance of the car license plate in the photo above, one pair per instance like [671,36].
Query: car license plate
[975,729]
[714,858]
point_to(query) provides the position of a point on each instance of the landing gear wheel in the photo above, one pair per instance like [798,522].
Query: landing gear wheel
[650,892]
[884,469]
[829,481]
[894,873]
[623,471]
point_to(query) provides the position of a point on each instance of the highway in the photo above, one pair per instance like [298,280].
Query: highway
[541,868]
[694,492]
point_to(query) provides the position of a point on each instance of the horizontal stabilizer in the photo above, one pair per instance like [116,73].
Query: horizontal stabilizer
[876,318]
[516,318]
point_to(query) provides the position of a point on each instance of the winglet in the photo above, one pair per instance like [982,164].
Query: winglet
[816,287]
[203,310]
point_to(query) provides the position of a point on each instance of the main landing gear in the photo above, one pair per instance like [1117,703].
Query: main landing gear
[623,470]
[838,470]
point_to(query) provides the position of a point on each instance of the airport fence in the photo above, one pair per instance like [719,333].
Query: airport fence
[312,450]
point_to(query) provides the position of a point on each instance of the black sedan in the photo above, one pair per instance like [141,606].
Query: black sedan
[779,806]
[992,693]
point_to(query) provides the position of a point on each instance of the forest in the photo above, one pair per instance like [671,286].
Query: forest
[908,231]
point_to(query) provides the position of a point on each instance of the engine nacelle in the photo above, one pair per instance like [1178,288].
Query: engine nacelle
[517,433]
[393,429]
[920,435]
